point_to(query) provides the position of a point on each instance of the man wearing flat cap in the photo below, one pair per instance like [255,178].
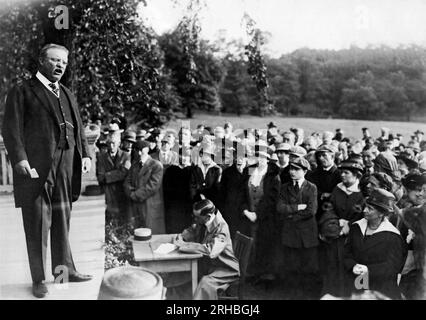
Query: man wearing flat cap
[325,176]
[129,138]
[111,170]
[296,209]
[143,187]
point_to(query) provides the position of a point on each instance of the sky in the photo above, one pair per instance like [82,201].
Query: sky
[292,24]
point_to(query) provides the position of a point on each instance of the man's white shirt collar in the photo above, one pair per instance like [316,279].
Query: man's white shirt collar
[299,182]
[46,81]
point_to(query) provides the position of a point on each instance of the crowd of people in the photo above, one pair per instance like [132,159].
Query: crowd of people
[328,214]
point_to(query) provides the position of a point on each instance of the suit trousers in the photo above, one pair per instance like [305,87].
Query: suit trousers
[51,211]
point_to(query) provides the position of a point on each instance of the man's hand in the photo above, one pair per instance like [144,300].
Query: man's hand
[86,164]
[301,207]
[410,236]
[325,195]
[344,224]
[178,241]
[250,215]
[23,168]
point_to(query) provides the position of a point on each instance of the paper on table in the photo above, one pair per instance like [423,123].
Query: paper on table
[165,248]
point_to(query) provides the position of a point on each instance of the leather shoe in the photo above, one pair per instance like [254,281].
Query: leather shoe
[78,277]
[39,290]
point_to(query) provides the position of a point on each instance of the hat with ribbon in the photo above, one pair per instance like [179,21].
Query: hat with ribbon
[352,165]
[283,147]
[381,199]
[130,135]
[408,157]
[141,144]
[413,181]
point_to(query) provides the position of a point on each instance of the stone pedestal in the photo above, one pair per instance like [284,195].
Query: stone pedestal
[89,180]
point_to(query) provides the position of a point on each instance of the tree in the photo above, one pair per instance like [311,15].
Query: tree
[20,36]
[360,101]
[196,80]
[257,66]
[115,64]
[284,87]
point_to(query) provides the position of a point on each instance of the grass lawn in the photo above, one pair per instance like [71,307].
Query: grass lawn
[351,128]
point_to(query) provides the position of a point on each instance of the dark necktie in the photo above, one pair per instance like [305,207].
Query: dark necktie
[296,187]
[55,89]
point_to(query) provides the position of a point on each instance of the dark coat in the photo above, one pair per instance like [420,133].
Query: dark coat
[111,174]
[383,252]
[172,158]
[267,233]
[31,131]
[348,207]
[232,188]
[299,228]
[177,200]
[325,181]
[285,175]
[208,186]
[143,187]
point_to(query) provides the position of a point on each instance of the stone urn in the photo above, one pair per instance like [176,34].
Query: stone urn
[89,182]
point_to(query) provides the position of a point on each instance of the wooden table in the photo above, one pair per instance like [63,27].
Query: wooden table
[174,261]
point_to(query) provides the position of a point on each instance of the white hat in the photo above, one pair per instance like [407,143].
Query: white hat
[113,127]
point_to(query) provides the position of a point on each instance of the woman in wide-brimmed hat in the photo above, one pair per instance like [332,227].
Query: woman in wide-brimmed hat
[346,200]
[375,251]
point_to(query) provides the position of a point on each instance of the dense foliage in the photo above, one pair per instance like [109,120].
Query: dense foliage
[118,246]
[371,83]
[115,63]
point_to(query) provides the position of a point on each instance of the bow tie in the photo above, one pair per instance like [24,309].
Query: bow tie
[54,88]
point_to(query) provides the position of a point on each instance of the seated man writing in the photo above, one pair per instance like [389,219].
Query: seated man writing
[210,237]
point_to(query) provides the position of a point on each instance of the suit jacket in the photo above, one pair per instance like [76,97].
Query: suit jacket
[209,186]
[31,131]
[143,187]
[171,159]
[111,174]
[299,228]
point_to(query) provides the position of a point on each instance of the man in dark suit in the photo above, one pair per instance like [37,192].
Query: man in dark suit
[45,141]
[296,207]
[111,171]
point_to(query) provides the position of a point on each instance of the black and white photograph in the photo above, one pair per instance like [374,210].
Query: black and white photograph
[213,150]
